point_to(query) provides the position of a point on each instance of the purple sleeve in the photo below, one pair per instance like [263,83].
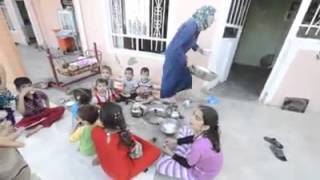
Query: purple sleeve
[195,153]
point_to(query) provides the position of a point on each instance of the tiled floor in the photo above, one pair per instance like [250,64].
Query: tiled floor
[243,125]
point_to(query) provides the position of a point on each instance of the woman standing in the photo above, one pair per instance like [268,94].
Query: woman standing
[176,75]
[197,154]
[121,154]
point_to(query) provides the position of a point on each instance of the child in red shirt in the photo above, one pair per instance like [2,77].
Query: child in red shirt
[122,155]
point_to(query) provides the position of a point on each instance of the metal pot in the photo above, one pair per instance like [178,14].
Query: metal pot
[137,110]
[202,73]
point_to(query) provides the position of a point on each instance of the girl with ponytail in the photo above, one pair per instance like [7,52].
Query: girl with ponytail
[197,154]
[121,154]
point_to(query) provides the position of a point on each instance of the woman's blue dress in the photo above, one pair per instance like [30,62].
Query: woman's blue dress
[176,76]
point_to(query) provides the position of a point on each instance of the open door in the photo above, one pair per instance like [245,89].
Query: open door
[231,36]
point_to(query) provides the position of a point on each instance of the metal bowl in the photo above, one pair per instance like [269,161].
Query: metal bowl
[202,73]
[169,126]
[158,111]
[151,118]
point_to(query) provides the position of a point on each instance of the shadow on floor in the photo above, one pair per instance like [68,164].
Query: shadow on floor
[244,83]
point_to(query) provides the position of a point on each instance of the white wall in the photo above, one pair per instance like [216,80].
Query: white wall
[301,80]
[296,72]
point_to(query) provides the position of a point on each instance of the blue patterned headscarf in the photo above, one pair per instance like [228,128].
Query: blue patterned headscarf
[201,16]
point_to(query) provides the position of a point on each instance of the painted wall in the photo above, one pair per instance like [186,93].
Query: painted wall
[264,31]
[95,29]
[9,57]
[18,34]
[301,80]
[44,18]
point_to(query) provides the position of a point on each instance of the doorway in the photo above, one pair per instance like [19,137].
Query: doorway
[256,44]
[27,26]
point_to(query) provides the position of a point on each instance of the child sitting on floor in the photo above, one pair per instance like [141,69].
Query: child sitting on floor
[129,85]
[122,155]
[87,117]
[35,107]
[106,73]
[145,87]
[82,96]
[197,153]
[103,93]
[5,98]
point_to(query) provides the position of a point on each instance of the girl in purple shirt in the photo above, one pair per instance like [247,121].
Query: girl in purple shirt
[197,154]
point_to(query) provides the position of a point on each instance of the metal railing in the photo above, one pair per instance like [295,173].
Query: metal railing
[310,26]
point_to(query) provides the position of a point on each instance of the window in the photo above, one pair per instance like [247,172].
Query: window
[139,25]
[4,11]
[310,26]
[236,17]
[67,20]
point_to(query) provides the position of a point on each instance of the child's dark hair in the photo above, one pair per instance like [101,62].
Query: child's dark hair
[82,95]
[129,69]
[18,82]
[88,113]
[145,70]
[101,81]
[107,68]
[210,118]
[112,118]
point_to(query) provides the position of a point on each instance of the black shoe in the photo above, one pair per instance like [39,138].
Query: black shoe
[278,153]
[146,170]
[274,142]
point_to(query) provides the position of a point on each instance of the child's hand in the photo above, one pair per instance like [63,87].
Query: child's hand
[167,150]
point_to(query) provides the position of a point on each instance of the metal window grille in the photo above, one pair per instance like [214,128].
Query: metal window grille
[238,12]
[67,20]
[139,25]
[310,26]
[5,13]
[236,17]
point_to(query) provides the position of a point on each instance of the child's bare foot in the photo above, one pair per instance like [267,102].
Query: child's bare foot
[34,130]
[95,162]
